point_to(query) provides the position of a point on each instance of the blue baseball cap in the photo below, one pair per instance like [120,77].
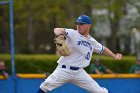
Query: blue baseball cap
[83,19]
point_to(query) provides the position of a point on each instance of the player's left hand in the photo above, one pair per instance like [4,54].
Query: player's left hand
[118,56]
[61,46]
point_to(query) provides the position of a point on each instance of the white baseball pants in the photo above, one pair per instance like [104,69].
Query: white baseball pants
[78,77]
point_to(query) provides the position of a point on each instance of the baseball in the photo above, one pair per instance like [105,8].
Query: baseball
[118,56]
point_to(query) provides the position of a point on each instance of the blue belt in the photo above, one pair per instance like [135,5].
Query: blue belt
[71,67]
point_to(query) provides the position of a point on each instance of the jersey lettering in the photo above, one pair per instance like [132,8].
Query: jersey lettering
[84,43]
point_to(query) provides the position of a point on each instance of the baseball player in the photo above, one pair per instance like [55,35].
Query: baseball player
[76,48]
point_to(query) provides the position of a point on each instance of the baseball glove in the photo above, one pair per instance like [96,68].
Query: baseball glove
[61,45]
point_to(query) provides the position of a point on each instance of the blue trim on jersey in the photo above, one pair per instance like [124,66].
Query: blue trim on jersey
[65,31]
[101,50]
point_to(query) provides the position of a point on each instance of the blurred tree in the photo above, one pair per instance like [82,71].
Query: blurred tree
[136,4]
[4,29]
[115,8]
[35,20]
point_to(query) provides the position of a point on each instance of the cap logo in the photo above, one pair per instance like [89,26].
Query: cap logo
[80,18]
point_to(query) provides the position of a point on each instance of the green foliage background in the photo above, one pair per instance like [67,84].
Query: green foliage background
[47,63]
[34,21]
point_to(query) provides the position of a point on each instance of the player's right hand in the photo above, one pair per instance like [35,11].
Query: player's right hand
[118,56]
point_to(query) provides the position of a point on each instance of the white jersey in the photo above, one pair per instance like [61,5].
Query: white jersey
[81,48]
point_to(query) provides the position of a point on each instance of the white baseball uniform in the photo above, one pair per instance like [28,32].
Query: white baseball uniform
[70,68]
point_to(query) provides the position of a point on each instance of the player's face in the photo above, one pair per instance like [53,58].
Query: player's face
[83,28]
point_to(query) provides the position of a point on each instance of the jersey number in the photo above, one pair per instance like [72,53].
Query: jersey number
[87,56]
